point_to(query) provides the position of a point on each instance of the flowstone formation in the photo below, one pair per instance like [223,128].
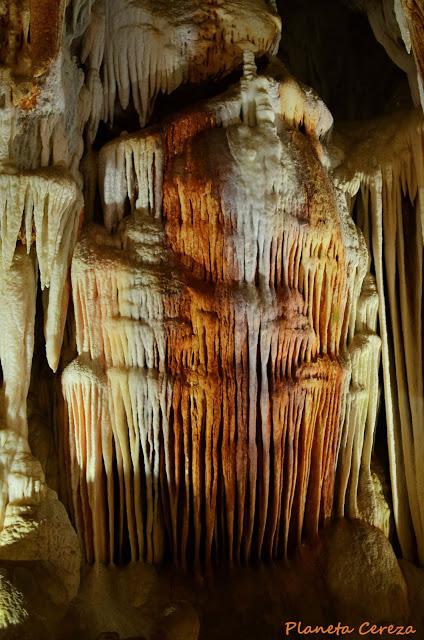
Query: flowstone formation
[204,304]
[216,329]
[386,189]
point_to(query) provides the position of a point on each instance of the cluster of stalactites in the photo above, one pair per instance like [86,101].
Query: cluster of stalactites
[39,217]
[133,53]
[206,408]
[354,463]
[114,468]
[183,373]
[42,209]
[387,199]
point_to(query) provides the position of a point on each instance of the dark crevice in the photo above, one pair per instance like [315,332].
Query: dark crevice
[184,97]
[329,45]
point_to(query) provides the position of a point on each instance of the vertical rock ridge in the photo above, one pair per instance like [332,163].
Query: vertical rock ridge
[389,208]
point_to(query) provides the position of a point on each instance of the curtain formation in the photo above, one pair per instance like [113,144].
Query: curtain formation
[229,314]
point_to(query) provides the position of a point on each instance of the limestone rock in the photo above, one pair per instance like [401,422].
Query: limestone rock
[360,572]
[12,606]
[383,175]
[211,284]
[38,546]
[201,348]
[136,51]
[44,534]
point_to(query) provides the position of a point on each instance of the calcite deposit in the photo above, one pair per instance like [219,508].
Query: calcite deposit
[387,187]
[217,328]
[210,316]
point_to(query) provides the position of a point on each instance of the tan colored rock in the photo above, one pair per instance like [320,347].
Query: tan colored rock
[126,601]
[222,394]
[134,52]
[373,500]
[361,573]
[12,606]
[383,176]
[43,534]
[38,545]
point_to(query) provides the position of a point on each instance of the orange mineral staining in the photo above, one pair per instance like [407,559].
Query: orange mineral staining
[208,404]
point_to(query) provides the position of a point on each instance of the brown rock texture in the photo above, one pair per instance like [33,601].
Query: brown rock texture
[207,405]
[207,282]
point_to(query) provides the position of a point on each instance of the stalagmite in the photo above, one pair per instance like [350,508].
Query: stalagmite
[362,404]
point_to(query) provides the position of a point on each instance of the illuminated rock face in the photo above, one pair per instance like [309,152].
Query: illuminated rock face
[386,190]
[221,391]
[135,51]
[217,327]
[46,104]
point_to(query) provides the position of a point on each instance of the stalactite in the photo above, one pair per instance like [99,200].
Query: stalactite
[44,209]
[362,404]
[131,170]
[387,20]
[17,316]
[410,17]
[89,447]
[217,315]
[134,53]
[389,205]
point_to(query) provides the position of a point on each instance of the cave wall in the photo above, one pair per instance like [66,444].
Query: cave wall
[216,278]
